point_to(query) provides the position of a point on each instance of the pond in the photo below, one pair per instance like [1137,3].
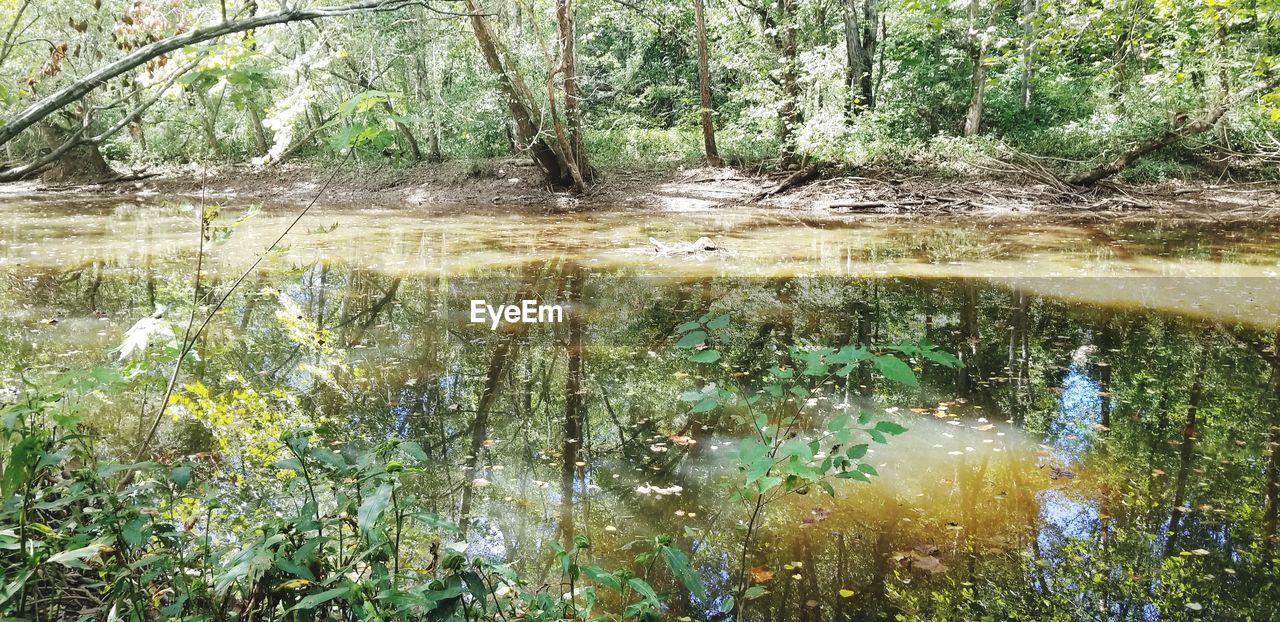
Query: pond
[1106,450]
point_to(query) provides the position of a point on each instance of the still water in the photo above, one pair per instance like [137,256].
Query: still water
[1105,452]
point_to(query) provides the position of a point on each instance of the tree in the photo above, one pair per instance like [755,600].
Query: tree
[704,86]
[83,86]
[572,153]
[860,52]
[978,42]
[555,164]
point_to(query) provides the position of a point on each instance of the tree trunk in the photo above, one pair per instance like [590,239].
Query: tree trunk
[574,410]
[81,162]
[431,93]
[1185,454]
[853,58]
[519,101]
[80,148]
[433,142]
[1173,135]
[562,137]
[480,427]
[569,77]
[789,112]
[207,123]
[1271,515]
[978,42]
[137,130]
[260,143]
[78,89]
[1029,10]
[870,25]
[704,85]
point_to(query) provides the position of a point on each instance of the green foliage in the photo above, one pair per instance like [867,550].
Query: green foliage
[1074,80]
[783,455]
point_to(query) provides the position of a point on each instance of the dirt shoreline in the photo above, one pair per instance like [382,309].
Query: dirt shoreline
[516,183]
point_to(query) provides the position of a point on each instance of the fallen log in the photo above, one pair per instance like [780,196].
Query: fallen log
[1174,134]
[803,176]
[858,204]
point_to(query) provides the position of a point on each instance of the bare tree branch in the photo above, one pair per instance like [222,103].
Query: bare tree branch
[78,89]
[7,47]
[78,138]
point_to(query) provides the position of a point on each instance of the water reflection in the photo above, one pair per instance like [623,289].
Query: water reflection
[1095,459]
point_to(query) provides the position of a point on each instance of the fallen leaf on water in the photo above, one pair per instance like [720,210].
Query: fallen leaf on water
[921,558]
[846,593]
[818,515]
[760,575]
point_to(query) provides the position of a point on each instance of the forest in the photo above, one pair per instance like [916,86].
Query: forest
[639,310]
[1081,91]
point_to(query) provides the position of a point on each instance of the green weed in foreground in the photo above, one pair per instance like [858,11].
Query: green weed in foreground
[289,523]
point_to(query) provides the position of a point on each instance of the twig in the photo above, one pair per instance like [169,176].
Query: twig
[190,343]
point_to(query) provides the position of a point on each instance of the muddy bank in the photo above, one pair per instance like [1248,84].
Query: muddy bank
[516,183]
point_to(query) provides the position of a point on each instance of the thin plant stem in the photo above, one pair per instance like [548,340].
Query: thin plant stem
[189,343]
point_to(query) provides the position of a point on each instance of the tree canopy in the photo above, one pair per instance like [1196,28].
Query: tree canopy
[1096,85]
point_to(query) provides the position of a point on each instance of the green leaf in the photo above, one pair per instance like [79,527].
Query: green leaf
[889,427]
[705,356]
[600,577]
[759,467]
[719,323]
[289,464]
[294,568]
[856,451]
[686,327]
[848,355]
[765,484]
[726,605]
[868,469]
[944,358]
[75,558]
[373,507]
[414,451]
[797,447]
[894,369]
[645,590]
[315,600]
[705,405]
[21,458]
[754,592]
[332,459]
[435,520]
[133,531]
[679,565]
[692,339]
[181,476]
